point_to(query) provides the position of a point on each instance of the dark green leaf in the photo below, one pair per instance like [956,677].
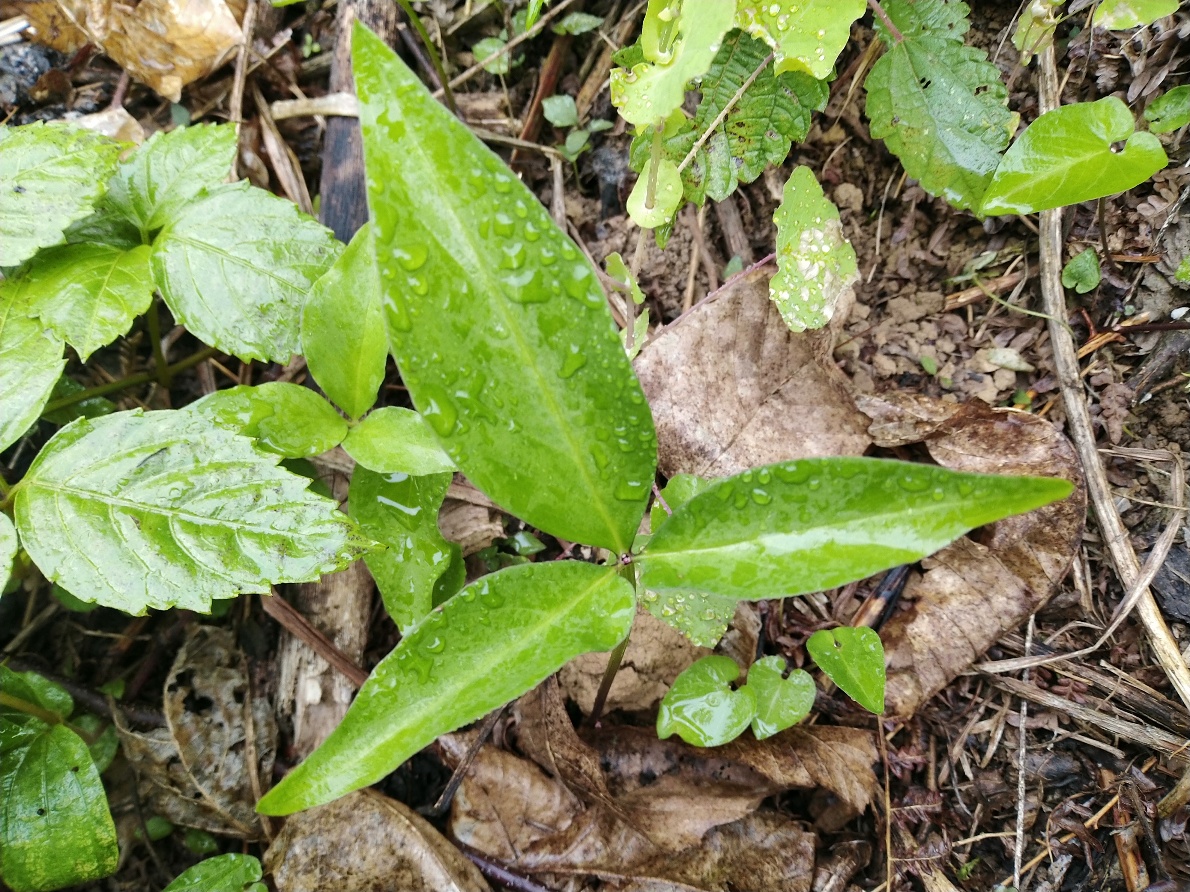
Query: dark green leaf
[9,543]
[287,419]
[806,35]
[52,176]
[396,440]
[1169,111]
[1120,15]
[809,525]
[102,741]
[38,690]
[343,334]
[1068,156]
[853,658]
[493,641]
[702,708]
[235,267]
[165,509]
[498,323]
[1082,272]
[31,362]
[780,702]
[533,13]
[401,513]
[223,873]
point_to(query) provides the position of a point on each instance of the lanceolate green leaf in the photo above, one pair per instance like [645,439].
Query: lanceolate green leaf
[1120,15]
[89,294]
[396,440]
[235,267]
[287,419]
[1067,156]
[401,513]
[223,873]
[498,323]
[853,658]
[8,549]
[31,362]
[343,335]
[809,525]
[165,509]
[493,641]
[52,176]
[807,35]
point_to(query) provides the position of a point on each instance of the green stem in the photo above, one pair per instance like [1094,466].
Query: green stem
[654,163]
[893,31]
[424,36]
[153,319]
[130,381]
[11,702]
[609,675]
[5,489]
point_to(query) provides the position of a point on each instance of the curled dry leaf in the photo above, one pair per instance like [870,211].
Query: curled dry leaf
[731,387]
[980,587]
[365,842]
[198,771]
[163,43]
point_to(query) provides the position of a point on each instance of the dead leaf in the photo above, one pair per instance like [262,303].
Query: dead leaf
[196,771]
[366,842]
[114,122]
[1115,401]
[901,417]
[165,44]
[977,589]
[731,387]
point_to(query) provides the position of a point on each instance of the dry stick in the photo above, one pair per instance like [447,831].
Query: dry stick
[236,103]
[300,627]
[1018,854]
[1079,422]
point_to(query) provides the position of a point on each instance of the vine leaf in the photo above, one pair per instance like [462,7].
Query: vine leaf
[552,423]
[287,419]
[496,639]
[701,707]
[815,263]
[164,509]
[853,658]
[1120,15]
[223,873]
[9,543]
[31,363]
[53,175]
[1170,111]
[396,440]
[1066,157]
[89,294]
[938,104]
[235,267]
[343,334]
[780,702]
[806,35]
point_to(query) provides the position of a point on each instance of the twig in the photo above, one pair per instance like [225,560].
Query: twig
[235,110]
[300,627]
[498,873]
[724,112]
[1018,854]
[456,778]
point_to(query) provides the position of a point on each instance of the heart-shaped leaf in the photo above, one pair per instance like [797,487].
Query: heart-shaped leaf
[853,658]
[1082,272]
[223,873]
[394,440]
[780,702]
[702,708]
[287,419]
[1068,156]
[806,35]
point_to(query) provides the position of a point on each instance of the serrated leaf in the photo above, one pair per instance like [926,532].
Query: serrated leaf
[1170,111]
[498,323]
[780,702]
[939,105]
[815,262]
[1082,272]
[169,171]
[667,196]
[809,525]
[164,509]
[9,544]
[31,362]
[55,827]
[1120,15]
[806,35]
[401,513]
[701,707]
[89,294]
[223,873]
[650,90]
[394,440]
[284,418]
[53,175]
[493,641]
[235,267]
[1067,156]
[343,335]
[853,658]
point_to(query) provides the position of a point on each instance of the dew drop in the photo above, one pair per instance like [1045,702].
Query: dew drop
[411,257]
[599,454]
[760,497]
[575,360]
[435,645]
[440,411]
[398,313]
[631,490]
[504,224]
[913,482]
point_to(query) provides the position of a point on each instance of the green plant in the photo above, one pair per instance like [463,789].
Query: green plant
[223,873]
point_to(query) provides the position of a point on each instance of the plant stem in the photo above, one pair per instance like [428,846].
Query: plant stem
[11,702]
[875,6]
[435,60]
[130,381]
[609,675]
[5,489]
[654,163]
[153,318]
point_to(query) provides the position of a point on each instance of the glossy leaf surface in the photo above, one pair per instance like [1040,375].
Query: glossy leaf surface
[702,708]
[284,418]
[809,525]
[1082,271]
[89,294]
[806,35]
[235,268]
[31,362]
[1066,157]
[1120,15]
[343,335]
[780,702]
[165,509]
[8,549]
[815,262]
[1170,111]
[52,176]
[397,440]
[223,873]
[497,321]
[853,658]
[496,639]
[401,513]
[150,189]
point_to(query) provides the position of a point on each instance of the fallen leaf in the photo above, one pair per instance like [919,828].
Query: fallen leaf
[731,387]
[114,122]
[366,842]
[1115,401]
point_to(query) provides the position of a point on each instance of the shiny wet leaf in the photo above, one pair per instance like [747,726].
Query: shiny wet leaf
[31,362]
[9,543]
[223,873]
[806,35]
[853,658]
[396,440]
[1170,111]
[702,708]
[287,419]
[780,702]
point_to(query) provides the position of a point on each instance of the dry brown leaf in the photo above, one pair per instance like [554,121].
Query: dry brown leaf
[114,122]
[976,590]
[366,842]
[165,44]
[196,771]
[731,387]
